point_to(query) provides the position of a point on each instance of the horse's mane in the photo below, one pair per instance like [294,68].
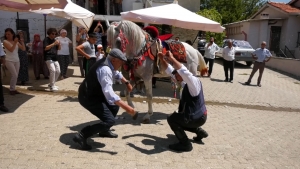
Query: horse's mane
[133,33]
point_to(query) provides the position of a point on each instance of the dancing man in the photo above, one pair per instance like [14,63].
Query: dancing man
[192,111]
[97,96]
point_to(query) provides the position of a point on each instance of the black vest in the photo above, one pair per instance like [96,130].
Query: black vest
[90,87]
[192,107]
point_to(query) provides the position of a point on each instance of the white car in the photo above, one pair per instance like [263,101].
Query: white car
[243,51]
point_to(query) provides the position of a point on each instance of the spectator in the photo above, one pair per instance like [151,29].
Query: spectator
[64,53]
[12,61]
[261,56]
[189,42]
[81,37]
[98,34]
[228,63]
[2,55]
[100,52]
[39,65]
[23,71]
[51,46]
[210,54]
[177,39]
[87,49]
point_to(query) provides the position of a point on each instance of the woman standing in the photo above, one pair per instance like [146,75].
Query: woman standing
[63,53]
[12,61]
[39,65]
[81,37]
[50,56]
[23,71]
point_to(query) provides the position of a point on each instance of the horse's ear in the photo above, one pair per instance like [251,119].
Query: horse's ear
[118,28]
[107,23]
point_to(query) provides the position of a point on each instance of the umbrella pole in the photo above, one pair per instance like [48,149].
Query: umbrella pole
[45,24]
[18,21]
[195,39]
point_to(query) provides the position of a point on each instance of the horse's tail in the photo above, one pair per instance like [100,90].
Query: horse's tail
[203,67]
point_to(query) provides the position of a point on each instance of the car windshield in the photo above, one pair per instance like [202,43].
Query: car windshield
[242,44]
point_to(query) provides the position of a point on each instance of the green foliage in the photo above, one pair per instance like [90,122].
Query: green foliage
[233,10]
[214,15]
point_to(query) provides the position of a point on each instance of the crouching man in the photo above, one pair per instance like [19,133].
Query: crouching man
[97,96]
[192,111]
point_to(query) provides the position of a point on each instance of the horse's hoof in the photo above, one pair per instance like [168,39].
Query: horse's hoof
[146,121]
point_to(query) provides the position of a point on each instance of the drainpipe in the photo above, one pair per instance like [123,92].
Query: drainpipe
[245,34]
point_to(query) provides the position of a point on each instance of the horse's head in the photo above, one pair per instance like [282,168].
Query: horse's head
[113,34]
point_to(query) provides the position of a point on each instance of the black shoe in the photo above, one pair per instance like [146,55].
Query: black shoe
[200,135]
[108,134]
[187,146]
[3,108]
[135,116]
[247,83]
[226,80]
[78,138]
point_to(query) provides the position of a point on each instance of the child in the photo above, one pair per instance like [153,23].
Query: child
[100,52]
[87,50]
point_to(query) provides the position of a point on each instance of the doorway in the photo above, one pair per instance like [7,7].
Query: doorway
[275,38]
[22,24]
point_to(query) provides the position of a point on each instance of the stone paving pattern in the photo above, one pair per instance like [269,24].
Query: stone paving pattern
[38,131]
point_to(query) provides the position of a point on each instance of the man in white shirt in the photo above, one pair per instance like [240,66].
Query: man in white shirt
[261,56]
[192,111]
[228,63]
[210,54]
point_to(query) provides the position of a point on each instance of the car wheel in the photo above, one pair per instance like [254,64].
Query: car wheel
[249,63]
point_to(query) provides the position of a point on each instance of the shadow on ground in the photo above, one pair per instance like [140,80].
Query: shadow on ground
[14,102]
[67,139]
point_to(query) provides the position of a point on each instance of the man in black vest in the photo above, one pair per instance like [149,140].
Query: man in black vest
[97,96]
[192,111]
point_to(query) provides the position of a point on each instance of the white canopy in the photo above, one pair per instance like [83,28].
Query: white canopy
[25,5]
[175,15]
[78,15]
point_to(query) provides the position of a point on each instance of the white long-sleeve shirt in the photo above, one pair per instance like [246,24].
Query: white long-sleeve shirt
[105,75]
[194,84]
[210,51]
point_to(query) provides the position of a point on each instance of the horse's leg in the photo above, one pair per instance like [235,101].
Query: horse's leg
[125,92]
[148,85]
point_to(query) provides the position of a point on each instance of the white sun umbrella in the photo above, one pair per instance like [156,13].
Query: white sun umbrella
[26,5]
[78,15]
[175,15]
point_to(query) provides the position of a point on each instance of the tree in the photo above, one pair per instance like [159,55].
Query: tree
[214,15]
[233,10]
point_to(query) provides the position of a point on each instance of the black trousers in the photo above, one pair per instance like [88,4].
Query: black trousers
[210,65]
[228,65]
[101,109]
[179,126]
[88,64]
[80,62]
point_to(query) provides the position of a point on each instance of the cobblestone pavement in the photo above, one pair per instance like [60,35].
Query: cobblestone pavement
[249,127]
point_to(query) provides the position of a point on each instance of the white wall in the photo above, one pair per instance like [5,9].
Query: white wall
[273,13]
[293,27]
[254,33]
[35,22]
